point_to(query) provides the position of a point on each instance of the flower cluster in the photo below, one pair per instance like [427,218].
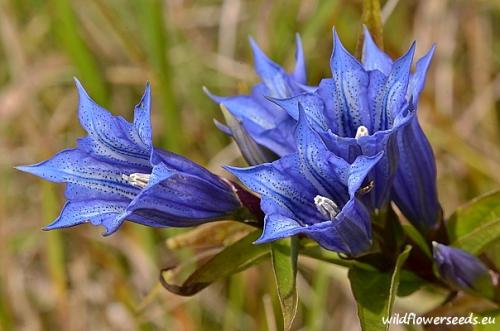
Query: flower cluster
[323,160]
[366,110]
[116,174]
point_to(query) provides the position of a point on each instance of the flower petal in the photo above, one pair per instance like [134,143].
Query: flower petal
[373,57]
[277,226]
[299,73]
[345,94]
[349,233]
[174,163]
[76,167]
[267,123]
[414,190]
[282,184]
[417,80]
[312,105]
[359,170]
[318,165]
[142,118]
[273,75]
[182,200]
[389,100]
[107,213]
[110,137]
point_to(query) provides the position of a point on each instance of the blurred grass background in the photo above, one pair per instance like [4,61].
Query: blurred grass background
[76,280]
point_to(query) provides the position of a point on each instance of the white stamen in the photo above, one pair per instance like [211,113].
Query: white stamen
[362,132]
[326,207]
[137,179]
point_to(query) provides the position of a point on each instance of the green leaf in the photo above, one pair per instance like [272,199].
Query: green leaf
[375,293]
[409,283]
[475,225]
[230,260]
[284,255]
[418,239]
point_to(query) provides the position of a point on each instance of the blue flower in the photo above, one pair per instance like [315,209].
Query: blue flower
[313,192]
[370,107]
[268,124]
[462,271]
[115,174]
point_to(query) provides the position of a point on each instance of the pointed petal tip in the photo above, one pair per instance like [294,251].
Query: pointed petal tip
[430,52]
[113,226]
[78,84]
[146,96]
[298,42]
[55,225]
[212,96]
[230,169]
[30,169]
[366,32]
[147,88]
[238,172]
[255,47]
[258,54]
[407,58]
[252,41]
[82,93]
[335,36]
[24,168]
[48,227]
[412,47]
[108,232]
[259,241]
[337,41]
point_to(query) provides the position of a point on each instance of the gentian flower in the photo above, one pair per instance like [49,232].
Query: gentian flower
[265,122]
[462,271]
[115,174]
[313,192]
[370,107]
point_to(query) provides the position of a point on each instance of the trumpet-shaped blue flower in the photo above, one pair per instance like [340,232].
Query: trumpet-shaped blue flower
[268,124]
[115,174]
[462,271]
[313,192]
[370,107]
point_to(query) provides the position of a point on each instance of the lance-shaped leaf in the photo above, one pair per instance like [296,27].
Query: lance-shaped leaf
[230,260]
[475,225]
[375,293]
[284,255]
